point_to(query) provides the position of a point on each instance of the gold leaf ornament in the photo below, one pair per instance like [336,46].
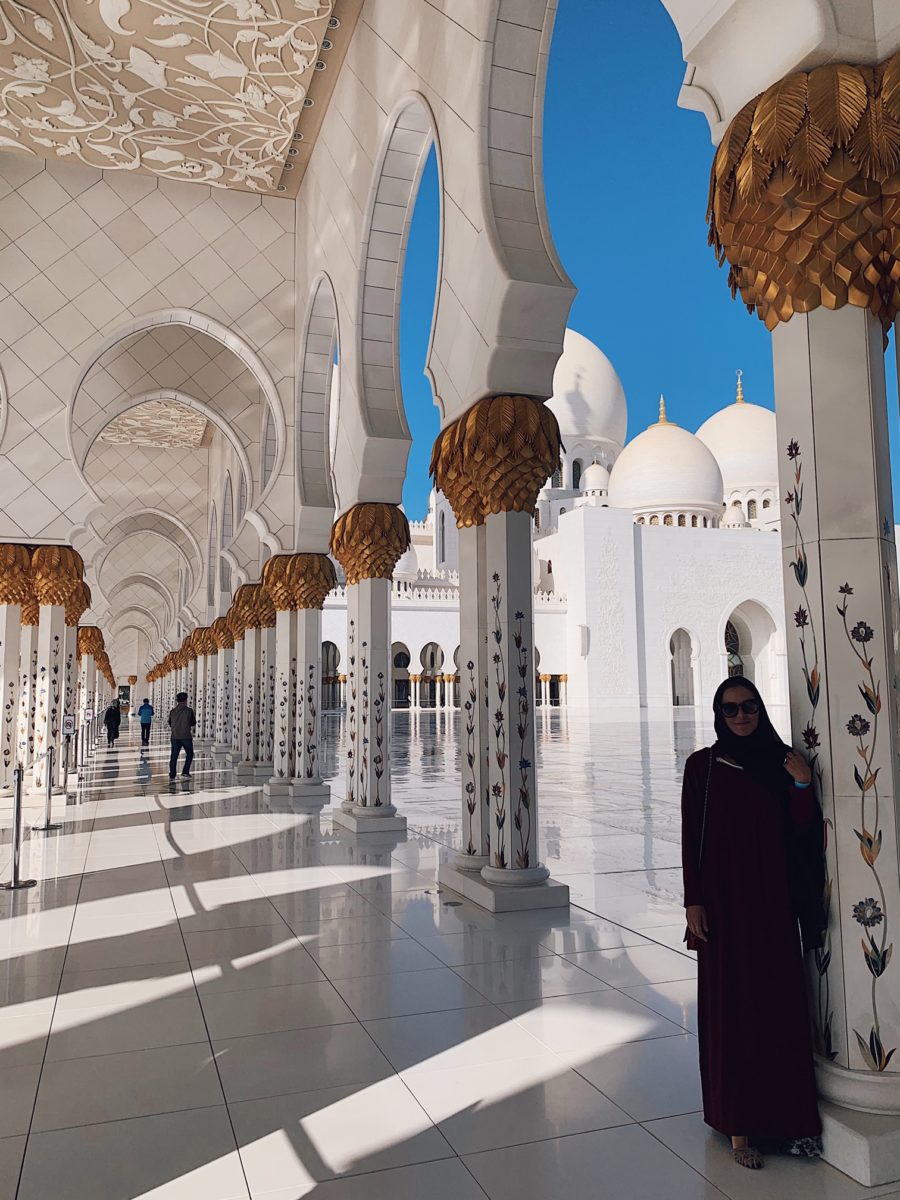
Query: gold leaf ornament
[368,539]
[15,574]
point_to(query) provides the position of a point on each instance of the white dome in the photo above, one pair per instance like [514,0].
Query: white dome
[666,467]
[734,517]
[588,398]
[743,439]
[595,478]
[407,567]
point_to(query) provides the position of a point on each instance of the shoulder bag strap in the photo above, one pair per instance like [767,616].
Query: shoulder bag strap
[705,806]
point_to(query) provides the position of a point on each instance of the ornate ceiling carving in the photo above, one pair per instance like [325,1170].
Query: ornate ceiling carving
[159,423]
[206,90]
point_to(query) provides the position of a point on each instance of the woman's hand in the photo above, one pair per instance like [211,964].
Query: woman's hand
[797,767]
[695,915]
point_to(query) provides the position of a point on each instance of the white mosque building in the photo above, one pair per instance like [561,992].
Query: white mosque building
[655,573]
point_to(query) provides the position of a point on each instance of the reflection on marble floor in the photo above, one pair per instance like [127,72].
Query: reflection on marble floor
[211,996]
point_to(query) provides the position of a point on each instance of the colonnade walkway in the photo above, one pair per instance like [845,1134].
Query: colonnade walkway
[210,996]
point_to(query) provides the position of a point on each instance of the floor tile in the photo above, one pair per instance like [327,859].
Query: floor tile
[675,1000]
[372,958]
[132,949]
[590,1022]
[179,1156]
[347,931]
[624,1162]
[12,1151]
[483,1108]
[649,1079]
[782,1178]
[80,1033]
[295,1140]
[594,934]
[633,966]
[481,945]
[23,1040]
[527,979]
[18,1089]
[446,1180]
[107,1087]
[231,960]
[461,1037]
[375,996]
[300,1060]
[271,1009]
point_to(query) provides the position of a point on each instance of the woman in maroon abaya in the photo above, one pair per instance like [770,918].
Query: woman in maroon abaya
[753,883]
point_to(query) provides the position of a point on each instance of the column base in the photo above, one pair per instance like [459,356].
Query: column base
[506,897]
[263,771]
[383,819]
[471,863]
[865,1146]
[220,749]
[515,876]
[308,795]
[244,771]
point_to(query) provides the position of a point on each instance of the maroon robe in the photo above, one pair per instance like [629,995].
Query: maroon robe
[756,1058]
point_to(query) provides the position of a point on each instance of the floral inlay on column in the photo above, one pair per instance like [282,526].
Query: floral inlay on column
[498,790]
[869,913]
[809,652]
[471,787]
[522,819]
[351,715]
[378,757]
[311,714]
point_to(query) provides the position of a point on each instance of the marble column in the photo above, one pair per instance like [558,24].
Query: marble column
[249,703]
[473,656]
[307,781]
[265,744]
[491,463]
[28,671]
[285,700]
[15,591]
[841,595]
[10,640]
[76,606]
[237,694]
[367,541]
[224,683]
[342,682]
[56,573]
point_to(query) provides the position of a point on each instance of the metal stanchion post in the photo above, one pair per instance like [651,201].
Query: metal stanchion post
[47,825]
[15,882]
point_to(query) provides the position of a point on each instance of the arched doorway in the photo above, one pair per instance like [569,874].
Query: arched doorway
[432,660]
[331,683]
[750,646]
[681,652]
[400,660]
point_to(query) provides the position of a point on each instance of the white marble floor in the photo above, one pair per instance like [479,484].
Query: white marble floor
[209,996]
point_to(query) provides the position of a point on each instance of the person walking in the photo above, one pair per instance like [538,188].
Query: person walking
[112,719]
[181,723]
[145,716]
[754,881]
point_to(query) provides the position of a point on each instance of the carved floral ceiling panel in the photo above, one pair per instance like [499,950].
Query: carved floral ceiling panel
[207,90]
[159,423]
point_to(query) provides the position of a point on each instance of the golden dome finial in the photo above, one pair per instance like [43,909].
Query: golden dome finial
[740,388]
[663,419]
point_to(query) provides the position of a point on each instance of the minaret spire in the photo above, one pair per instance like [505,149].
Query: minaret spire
[740,388]
[663,419]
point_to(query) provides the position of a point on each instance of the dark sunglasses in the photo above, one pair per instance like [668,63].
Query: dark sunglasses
[748,707]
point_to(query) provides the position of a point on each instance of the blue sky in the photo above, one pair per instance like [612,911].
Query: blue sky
[626,175]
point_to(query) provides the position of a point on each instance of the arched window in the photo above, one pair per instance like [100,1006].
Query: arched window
[682,520]
[654,520]
[767,503]
[640,520]
[733,650]
[242,497]
[537,518]
[705,522]
[211,556]
[576,473]
[751,510]
[556,478]
[442,539]
[227,533]
[561,511]
[401,659]
[549,566]
[694,521]
[667,519]
[269,446]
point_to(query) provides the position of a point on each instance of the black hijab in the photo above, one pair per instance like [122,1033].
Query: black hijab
[761,753]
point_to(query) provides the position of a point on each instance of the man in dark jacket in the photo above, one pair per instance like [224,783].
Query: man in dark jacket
[181,723]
